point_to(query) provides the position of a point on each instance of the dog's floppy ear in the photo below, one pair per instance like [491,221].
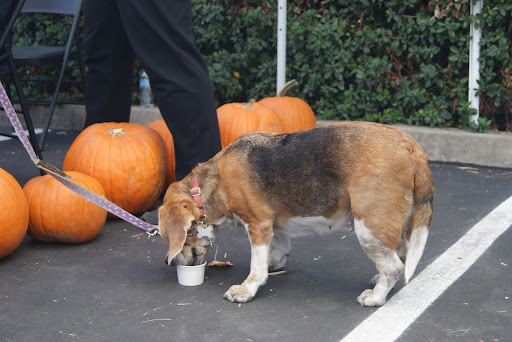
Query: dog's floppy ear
[174,223]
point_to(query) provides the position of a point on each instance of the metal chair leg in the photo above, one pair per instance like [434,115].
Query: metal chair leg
[26,113]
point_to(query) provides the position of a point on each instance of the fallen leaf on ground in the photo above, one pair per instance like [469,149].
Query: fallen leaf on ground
[217,263]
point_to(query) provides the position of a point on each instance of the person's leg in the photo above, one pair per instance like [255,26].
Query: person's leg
[160,32]
[110,59]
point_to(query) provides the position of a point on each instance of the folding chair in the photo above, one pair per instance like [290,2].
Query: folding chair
[8,74]
[42,55]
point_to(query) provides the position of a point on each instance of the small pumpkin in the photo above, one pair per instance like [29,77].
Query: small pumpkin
[294,113]
[161,127]
[13,214]
[127,159]
[236,119]
[57,214]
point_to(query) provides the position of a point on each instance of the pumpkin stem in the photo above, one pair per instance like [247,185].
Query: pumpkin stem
[287,87]
[248,105]
[114,132]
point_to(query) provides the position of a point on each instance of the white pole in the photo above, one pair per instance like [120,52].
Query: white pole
[474,64]
[281,44]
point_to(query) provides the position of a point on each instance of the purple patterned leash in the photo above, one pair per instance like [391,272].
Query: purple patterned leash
[90,196]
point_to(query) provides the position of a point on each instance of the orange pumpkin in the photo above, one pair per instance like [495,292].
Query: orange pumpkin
[294,113]
[236,119]
[57,214]
[127,159]
[13,214]
[161,127]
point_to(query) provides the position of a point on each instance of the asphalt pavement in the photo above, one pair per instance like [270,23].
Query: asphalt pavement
[117,287]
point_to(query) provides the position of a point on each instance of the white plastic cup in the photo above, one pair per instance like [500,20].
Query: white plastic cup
[191,275]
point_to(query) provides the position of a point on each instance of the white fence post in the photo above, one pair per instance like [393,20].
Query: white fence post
[474,64]
[281,44]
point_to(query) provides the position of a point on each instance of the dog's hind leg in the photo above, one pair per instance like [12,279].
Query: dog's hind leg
[279,250]
[260,235]
[389,265]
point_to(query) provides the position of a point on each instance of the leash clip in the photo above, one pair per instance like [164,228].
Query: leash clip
[151,234]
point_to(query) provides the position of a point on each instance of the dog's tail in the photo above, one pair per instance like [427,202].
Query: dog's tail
[420,220]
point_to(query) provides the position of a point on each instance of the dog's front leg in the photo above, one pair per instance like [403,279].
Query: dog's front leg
[261,237]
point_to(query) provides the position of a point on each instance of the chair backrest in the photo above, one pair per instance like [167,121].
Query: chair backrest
[7,31]
[71,7]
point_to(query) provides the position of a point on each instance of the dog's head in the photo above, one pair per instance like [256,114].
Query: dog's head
[178,218]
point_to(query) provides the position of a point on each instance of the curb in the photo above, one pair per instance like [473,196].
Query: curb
[493,149]
[452,145]
[441,144]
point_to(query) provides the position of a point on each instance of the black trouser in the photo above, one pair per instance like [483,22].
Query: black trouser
[159,33]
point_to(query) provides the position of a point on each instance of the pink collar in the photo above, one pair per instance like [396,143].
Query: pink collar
[196,194]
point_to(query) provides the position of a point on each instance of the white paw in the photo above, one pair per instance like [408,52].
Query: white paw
[368,298]
[239,294]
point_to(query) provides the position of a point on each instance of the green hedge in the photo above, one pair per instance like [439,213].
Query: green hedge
[385,61]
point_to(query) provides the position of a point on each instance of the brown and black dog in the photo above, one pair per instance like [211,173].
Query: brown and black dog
[371,177]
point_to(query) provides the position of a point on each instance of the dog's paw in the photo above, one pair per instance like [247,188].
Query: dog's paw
[274,269]
[239,294]
[276,264]
[368,298]
[375,280]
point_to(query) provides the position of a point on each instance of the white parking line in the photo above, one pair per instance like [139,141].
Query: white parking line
[391,320]
[37,131]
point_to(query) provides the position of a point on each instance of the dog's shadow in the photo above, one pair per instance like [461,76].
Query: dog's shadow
[319,263]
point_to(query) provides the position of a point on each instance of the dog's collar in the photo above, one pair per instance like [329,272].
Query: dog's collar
[202,229]
[196,194]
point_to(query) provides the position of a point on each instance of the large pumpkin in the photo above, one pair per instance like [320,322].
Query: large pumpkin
[161,127]
[13,214]
[236,119]
[294,113]
[127,159]
[57,214]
